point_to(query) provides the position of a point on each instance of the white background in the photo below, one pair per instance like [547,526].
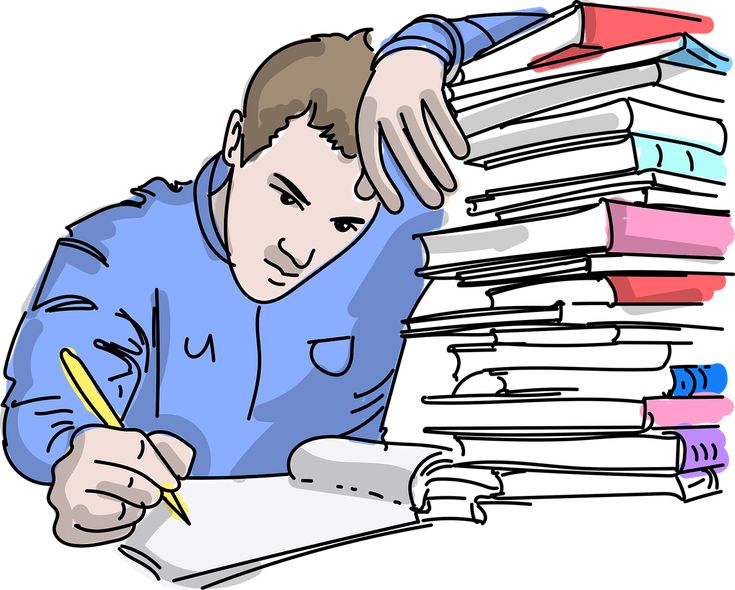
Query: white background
[98,97]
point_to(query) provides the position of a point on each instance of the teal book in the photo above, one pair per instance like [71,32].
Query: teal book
[631,154]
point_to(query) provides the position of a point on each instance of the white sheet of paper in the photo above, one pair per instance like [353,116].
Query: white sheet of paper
[239,525]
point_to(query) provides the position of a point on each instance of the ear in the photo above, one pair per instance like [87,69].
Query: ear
[234,142]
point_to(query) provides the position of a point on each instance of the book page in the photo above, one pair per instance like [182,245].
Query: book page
[242,525]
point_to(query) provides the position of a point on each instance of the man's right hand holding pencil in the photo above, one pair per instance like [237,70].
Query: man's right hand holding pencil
[103,485]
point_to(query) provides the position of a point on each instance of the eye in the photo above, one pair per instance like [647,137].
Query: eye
[342,225]
[286,198]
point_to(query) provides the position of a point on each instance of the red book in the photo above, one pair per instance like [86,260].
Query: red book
[580,32]
[665,290]
[607,27]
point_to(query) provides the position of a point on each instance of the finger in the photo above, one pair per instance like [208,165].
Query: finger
[71,535]
[135,453]
[438,109]
[130,487]
[177,453]
[412,168]
[364,190]
[104,512]
[428,150]
[368,139]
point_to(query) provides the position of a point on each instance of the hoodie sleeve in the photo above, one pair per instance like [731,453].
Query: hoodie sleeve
[458,41]
[77,304]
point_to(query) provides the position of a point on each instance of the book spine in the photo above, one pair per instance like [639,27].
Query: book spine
[665,289]
[678,158]
[672,412]
[636,229]
[692,379]
[613,26]
[702,448]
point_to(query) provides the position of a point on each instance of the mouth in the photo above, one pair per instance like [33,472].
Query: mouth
[282,272]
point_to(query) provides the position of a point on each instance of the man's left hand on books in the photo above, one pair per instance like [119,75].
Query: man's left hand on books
[405,93]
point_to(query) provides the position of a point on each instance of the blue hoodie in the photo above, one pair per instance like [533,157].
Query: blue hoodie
[142,291]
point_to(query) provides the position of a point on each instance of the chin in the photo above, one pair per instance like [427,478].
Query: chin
[264,291]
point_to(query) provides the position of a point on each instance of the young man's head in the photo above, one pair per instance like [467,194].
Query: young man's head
[291,206]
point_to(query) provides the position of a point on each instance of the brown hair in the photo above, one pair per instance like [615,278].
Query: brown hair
[324,75]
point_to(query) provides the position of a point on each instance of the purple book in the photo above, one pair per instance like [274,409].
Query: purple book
[678,450]
[702,447]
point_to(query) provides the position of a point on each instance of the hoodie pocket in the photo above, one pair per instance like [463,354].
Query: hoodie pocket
[332,356]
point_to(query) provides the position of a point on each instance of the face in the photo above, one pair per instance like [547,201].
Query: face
[291,211]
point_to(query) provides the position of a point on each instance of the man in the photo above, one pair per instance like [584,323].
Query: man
[230,318]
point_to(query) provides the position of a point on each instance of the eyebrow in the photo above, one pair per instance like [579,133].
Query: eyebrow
[293,188]
[350,219]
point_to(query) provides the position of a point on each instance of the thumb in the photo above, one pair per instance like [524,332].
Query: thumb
[177,453]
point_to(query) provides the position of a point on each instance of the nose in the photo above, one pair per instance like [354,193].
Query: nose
[300,264]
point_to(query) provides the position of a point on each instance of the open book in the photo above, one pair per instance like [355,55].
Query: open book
[341,491]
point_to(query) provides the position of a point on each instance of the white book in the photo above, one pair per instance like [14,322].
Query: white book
[537,335]
[655,198]
[521,484]
[590,290]
[564,383]
[575,334]
[588,126]
[447,296]
[240,526]
[471,93]
[470,415]
[683,315]
[438,322]
[560,29]
[571,266]
[474,358]
[486,110]
[679,97]
[604,291]
[608,186]
[480,274]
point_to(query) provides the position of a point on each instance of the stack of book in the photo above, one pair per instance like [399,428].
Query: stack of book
[571,308]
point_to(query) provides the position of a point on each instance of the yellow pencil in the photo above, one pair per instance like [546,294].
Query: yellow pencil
[95,401]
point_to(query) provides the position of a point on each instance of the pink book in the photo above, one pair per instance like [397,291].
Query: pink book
[647,230]
[670,412]
[609,226]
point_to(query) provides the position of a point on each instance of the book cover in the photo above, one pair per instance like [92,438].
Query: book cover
[610,226]
[594,125]
[573,31]
[548,383]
